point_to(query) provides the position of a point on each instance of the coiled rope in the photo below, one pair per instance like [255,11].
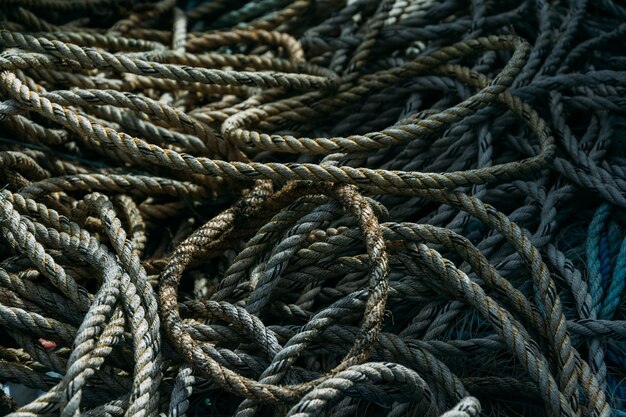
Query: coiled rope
[306,208]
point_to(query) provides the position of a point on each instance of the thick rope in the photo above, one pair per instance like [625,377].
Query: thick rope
[306,208]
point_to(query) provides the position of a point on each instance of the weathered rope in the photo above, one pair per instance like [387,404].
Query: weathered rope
[306,208]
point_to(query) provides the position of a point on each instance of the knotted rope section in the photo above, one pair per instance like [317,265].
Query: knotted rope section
[306,208]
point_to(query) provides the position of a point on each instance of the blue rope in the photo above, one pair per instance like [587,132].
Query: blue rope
[594,265]
[605,260]
[614,293]
[247,12]
[615,238]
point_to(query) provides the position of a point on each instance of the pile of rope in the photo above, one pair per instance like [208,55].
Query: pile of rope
[313,207]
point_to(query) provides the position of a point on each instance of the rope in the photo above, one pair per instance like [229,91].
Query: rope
[306,208]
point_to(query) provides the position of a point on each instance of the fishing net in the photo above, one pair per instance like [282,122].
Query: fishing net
[312,208]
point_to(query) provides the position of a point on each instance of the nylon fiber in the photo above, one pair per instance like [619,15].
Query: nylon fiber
[313,208]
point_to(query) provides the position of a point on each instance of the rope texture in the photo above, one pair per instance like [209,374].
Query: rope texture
[306,208]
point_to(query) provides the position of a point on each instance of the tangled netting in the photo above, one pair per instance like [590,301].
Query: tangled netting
[313,207]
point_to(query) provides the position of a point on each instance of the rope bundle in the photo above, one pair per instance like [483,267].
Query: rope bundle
[306,208]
